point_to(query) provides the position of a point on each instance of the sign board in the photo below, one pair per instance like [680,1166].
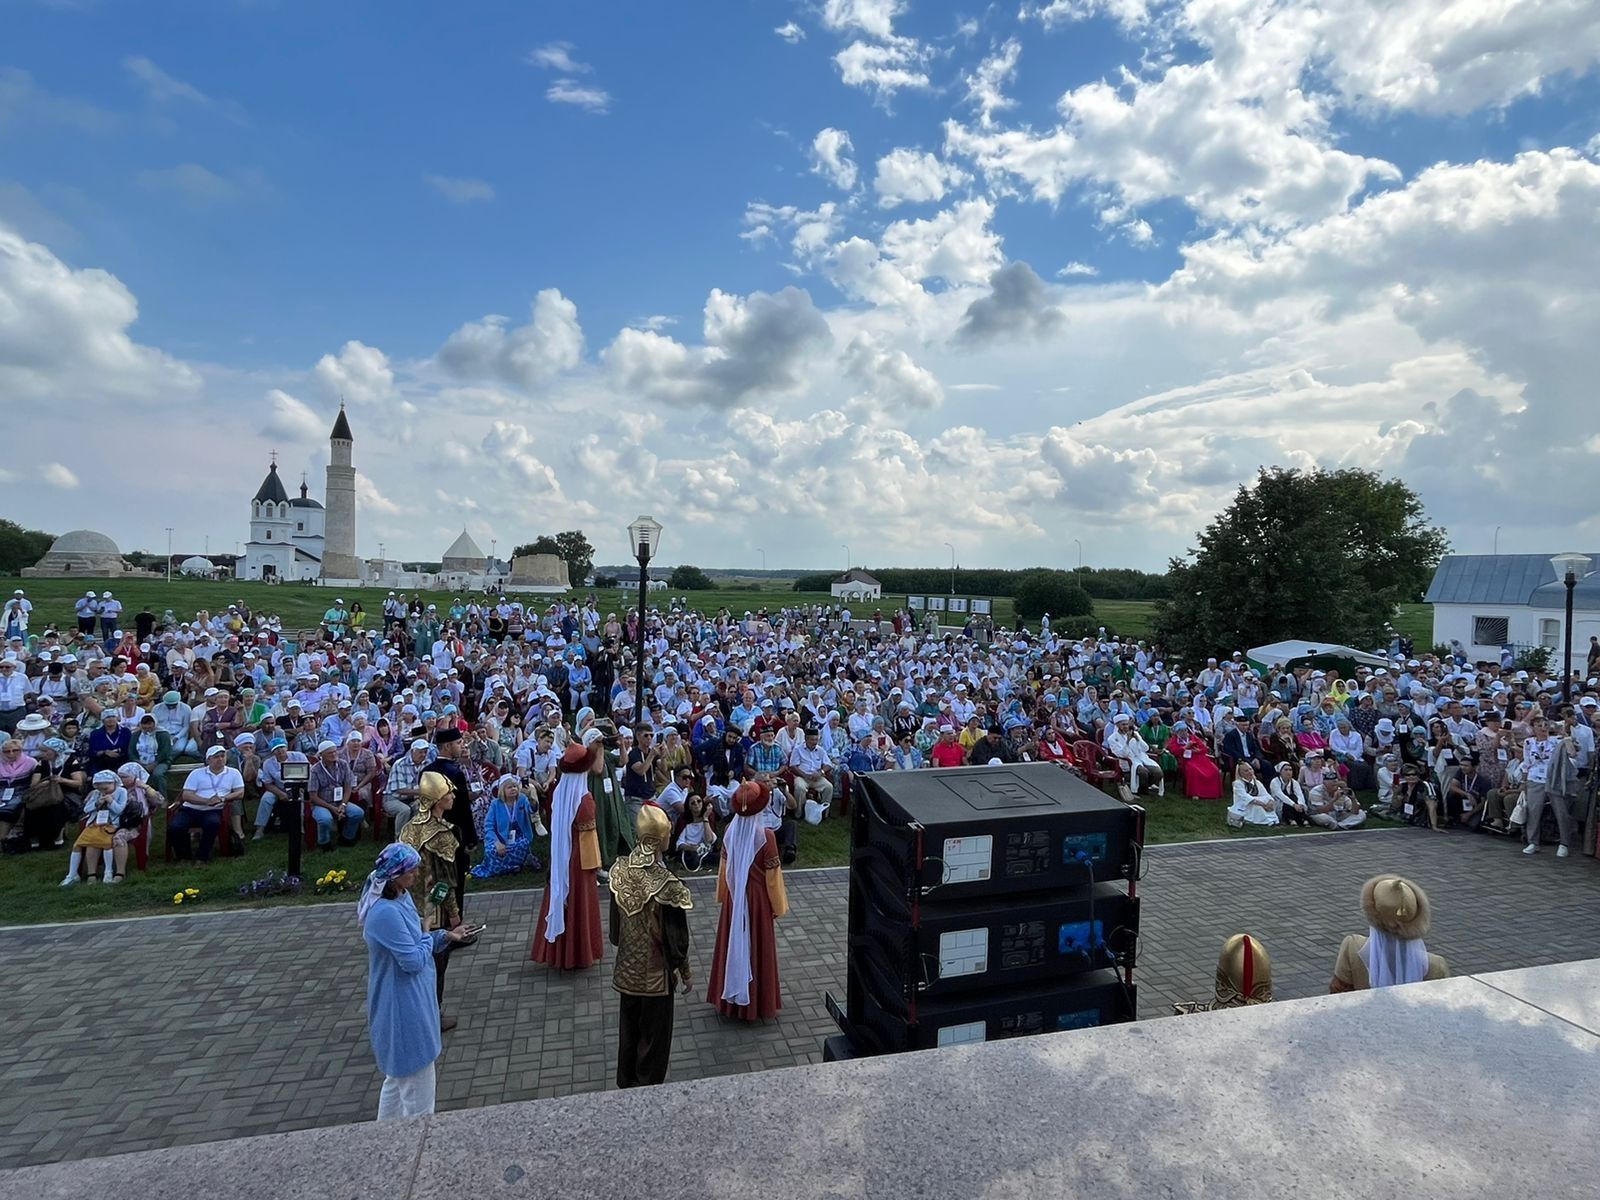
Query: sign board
[961,605]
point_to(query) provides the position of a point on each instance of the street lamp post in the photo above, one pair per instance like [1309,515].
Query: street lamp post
[645,535]
[952,550]
[1569,569]
[169,553]
[846,550]
[1080,553]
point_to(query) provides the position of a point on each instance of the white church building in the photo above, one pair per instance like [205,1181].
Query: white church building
[286,535]
[296,539]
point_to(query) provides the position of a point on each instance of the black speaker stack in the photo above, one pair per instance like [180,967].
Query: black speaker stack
[986,903]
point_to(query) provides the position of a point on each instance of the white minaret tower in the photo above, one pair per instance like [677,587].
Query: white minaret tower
[339,560]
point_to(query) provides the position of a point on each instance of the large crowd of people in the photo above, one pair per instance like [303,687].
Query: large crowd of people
[803,699]
[494,736]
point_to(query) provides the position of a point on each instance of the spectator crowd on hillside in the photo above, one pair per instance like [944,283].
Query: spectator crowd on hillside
[105,720]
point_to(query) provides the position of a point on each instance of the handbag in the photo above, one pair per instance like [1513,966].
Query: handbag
[815,811]
[1519,814]
[47,793]
[133,815]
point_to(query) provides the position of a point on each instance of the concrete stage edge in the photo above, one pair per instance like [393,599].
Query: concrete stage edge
[1476,1086]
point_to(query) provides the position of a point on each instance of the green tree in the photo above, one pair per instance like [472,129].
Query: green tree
[1054,592]
[1324,555]
[578,553]
[543,544]
[20,547]
[689,579]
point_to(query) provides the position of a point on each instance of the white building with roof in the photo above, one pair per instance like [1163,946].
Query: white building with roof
[856,584]
[464,567]
[1489,601]
[286,535]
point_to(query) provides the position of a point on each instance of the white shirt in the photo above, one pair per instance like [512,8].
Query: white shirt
[213,785]
[1536,756]
[13,690]
[808,760]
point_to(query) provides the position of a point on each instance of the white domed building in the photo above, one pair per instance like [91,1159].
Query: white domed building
[80,553]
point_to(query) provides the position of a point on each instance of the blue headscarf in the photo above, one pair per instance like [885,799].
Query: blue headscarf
[395,860]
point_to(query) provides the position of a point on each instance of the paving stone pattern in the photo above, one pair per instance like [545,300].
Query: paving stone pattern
[132,1035]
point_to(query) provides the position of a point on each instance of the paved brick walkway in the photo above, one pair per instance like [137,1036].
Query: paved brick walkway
[132,1035]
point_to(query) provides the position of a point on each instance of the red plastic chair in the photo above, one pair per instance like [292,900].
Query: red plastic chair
[1098,767]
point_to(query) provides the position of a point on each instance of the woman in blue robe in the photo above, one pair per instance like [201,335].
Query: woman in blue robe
[507,832]
[402,1009]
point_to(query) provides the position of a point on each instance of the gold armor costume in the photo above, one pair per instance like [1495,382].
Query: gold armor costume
[650,929]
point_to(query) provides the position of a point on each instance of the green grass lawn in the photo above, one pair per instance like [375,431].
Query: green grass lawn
[302,606]
[29,891]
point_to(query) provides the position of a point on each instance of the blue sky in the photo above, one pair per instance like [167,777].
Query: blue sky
[370,199]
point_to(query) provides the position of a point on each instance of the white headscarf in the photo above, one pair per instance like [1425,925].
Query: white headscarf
[569,794]
[1391,960]
[745,837]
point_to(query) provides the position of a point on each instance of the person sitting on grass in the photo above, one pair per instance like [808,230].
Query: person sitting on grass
[507,832]
[102,811]
[1290,797]
[1252,802]
[1331,805]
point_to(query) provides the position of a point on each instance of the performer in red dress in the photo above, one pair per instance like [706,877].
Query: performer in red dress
[568,936]
[744,970]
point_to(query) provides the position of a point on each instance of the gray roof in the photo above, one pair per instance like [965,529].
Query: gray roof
[1507,579]
[271,489]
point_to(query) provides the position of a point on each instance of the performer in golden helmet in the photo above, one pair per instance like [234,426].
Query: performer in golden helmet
[650,929]
[432,836]
[1244,977]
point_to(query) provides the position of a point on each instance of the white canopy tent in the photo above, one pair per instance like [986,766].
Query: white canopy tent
[1283,653]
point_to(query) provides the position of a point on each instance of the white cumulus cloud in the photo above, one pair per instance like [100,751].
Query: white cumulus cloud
[830,158]
[906,175]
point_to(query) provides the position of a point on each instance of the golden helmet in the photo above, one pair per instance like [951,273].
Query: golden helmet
[1244,973]
[432,786]
[654,826]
